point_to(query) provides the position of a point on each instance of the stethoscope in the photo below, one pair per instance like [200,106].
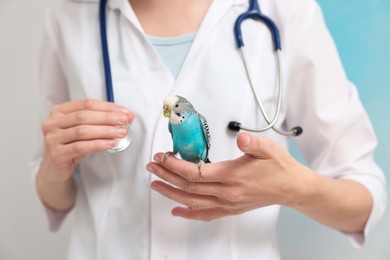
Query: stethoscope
[121,143]
[252,13]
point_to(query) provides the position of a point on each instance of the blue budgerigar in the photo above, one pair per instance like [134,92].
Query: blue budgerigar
[189,130]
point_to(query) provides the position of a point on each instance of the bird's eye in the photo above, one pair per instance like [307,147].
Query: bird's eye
[177,105]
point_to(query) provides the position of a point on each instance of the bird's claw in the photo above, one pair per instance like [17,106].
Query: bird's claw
[165,156]
[200,165]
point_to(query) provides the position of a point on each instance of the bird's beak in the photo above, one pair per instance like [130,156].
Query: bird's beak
[167,111]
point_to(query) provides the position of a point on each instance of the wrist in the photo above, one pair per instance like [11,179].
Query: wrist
[51,173]
[304,188]
[58,194]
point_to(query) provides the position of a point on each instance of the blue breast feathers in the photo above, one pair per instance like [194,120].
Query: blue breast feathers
[189,139]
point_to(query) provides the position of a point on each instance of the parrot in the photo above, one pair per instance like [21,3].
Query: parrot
[189,130]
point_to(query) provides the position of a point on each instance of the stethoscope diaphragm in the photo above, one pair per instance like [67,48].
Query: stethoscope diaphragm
[122,143]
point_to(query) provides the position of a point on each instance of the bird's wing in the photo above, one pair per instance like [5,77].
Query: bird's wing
[206,130]
[170,129]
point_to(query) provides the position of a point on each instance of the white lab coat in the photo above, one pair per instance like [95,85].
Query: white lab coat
[117,216]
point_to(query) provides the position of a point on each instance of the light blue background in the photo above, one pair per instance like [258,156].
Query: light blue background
[361,30]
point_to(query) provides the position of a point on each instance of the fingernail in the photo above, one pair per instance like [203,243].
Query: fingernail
[123,110]
[110,144]
[150,167]
[246,141]
[157,157]
[121,131]
[154,186]
[122,119]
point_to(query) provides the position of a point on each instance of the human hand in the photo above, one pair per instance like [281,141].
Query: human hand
[77,128]
[265,175]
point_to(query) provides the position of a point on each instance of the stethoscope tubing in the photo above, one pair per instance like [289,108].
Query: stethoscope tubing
[252,13]
[105,52]
[270,124]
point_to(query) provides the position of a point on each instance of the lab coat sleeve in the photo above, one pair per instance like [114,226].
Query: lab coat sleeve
[338,140]
[53,90]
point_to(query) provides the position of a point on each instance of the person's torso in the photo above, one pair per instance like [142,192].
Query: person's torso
[117,215]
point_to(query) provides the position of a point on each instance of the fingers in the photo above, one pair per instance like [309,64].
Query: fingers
[204,208]
[87,132]
[86,117]
[96,120]
[213,188]
[82,148]
[200,207]
[66,154]
[211,172]
[202,214]
[89,111]
[194,194]
[88,104]
[190,200]
[77,128]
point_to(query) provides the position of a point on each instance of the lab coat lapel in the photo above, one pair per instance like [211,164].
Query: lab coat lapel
[126,9]
[216,11]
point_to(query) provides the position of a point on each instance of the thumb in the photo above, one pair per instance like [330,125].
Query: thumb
[255,146]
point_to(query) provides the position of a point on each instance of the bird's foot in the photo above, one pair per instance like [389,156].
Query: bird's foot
[166,155]
[200,165]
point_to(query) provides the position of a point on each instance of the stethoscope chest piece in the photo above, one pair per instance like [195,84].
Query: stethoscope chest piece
[122,143]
